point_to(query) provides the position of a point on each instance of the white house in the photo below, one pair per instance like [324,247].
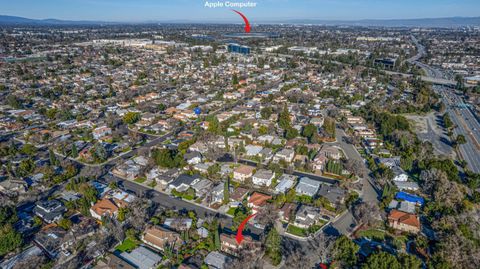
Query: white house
[263,177]
[252,150]
[243,172]
[284,154]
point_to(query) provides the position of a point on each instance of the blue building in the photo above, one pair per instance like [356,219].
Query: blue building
[236,48]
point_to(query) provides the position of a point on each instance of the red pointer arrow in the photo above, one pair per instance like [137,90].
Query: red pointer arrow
[247,24]
[239,237]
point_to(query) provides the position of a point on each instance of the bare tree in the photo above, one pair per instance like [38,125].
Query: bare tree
[114,228]
[247,260]
[436,183]
[268,215]
[141,210]
[356,167]
[368,213]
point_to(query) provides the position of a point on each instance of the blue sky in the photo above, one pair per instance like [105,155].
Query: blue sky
[144,10]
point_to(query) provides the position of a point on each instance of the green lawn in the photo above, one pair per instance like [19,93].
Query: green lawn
[140,180]
[127,245]
[231,211]
[297,230]
[373,234]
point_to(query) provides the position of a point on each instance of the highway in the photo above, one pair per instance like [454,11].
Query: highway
[465,121]
[465,124]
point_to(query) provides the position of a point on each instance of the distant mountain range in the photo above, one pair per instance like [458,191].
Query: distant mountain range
[14,20]
[451,22]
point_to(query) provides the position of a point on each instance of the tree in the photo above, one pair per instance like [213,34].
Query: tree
[329,127]
[53,159]
[356,167]
[409,261]
[9,239]
[368,213]
[216,237]
[226,192]
[166,158]
[460,140]
[131,117]
[99,152]
[74,152]
[272,246]
[382,260]
[65,223]
[447,121]
[284,118]
[266,112]
[214,126]
[345,250]
[291,133]
[235,80]
[309,131]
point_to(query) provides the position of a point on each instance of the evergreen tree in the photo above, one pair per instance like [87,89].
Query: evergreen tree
[74,152]
[53,158]
[272,244]
[226,192]
[284,118]
[216,237]
[345,251]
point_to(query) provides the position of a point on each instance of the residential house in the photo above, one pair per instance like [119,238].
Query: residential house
[285,183]
[113,262]
[334,194]
[317,121]
[406,185]
[50,240]
[49,210]
[178,224]
[307,216]
[287,211]
[229,245]
[183,182]
[399,174]
[217,260]
[193,157]
[104,207]
[238,194]
[257,201]
[285,154]
[202,187]
[243,172]
[252,150]
[307,186]
[101,132]
[13,186]
[404,221]
[161,238]
[119,197]
[318,164]
[142,258]
[217,193]
[330,152]
[263,177]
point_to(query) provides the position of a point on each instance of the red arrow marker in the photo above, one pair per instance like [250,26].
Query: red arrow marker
[239,237]
[247,24]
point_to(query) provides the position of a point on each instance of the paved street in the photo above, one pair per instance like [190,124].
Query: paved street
[174,203]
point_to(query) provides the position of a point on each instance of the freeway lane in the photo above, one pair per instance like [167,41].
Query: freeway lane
[464,122]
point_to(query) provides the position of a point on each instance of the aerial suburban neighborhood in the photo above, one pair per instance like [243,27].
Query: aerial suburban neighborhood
[194,146]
